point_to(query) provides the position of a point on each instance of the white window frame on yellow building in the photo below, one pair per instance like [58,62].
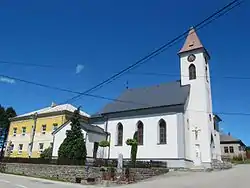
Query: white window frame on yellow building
[24,132]
[41,148]
[55,126]
[20,149]
[12,148]
[44,130]
[14,131]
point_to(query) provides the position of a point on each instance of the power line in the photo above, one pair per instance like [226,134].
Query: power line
[68,90]
[112,99]
[164,47]
[198,76]
[26,64]
[33,65]
[222,113]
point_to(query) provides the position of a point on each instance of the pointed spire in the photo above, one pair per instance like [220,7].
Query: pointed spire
[53,104]
[192,42]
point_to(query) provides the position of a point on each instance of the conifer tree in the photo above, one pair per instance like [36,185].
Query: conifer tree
[73,146]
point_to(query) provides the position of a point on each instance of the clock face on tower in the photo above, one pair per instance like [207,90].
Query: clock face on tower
[191,58]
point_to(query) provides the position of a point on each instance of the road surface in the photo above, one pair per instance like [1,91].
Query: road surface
[234,178]
[237,177]
[13,181]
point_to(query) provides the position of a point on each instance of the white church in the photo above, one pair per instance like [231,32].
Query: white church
[174,121]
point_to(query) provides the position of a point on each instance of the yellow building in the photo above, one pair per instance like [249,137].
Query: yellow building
[30,133]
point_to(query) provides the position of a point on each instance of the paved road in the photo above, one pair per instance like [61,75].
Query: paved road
[236,177]
[12,181]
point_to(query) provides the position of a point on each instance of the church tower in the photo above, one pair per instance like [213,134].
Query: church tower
[201,146]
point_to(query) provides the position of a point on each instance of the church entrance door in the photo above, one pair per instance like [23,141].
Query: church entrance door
[197,160]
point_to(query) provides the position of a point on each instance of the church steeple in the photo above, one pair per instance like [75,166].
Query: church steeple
[192,42]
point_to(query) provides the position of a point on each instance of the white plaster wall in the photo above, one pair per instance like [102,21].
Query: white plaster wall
[199,105]
[187,131]
[150,148]
[61,135]
[46,139]
[20,139]
[89,146]
[237,152]
[181,135]
[58,139]
[217,154]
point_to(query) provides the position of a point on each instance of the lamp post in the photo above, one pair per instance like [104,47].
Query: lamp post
[34,116]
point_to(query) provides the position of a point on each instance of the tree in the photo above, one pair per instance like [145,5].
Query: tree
[47,153]
[73,146]
[5,114]
[134,145]
[10,112]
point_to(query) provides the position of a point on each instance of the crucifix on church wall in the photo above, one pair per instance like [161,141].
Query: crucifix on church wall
[196,132]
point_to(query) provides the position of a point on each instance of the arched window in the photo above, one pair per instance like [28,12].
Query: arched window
[192,72]
[119,134]
[140,133]
[162,132]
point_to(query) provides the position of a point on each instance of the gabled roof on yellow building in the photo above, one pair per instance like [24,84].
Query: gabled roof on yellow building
[51,110]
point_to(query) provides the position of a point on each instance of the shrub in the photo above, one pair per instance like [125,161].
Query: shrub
[237,158]
[47,153]
[104,143]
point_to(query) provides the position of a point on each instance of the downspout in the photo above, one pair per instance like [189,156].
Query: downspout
[106,125]
[108,135]
[53,146]
[33,134]
[109,145]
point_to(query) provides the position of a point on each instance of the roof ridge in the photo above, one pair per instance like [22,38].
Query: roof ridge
[143,87]
[48,109]
[159,95]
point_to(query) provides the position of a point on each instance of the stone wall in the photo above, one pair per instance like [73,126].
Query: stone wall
[70,173]
[221,165]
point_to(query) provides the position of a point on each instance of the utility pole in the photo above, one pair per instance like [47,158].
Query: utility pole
[32,134]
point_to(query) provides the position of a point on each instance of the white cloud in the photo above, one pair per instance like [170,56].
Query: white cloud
[7,80]
[79,68]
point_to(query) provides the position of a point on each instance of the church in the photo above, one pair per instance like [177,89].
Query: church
[174,121]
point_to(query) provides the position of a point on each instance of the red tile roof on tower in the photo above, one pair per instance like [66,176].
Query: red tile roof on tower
[192,42]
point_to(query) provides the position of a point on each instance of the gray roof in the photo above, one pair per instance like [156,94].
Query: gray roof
[85,126]
[228,138]
[92,128]
[167,94]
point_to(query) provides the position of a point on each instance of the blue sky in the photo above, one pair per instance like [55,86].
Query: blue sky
[102,37]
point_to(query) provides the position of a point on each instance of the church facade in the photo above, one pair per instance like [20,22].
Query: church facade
[173,122]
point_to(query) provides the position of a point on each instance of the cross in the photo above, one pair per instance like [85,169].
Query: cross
[196,131]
